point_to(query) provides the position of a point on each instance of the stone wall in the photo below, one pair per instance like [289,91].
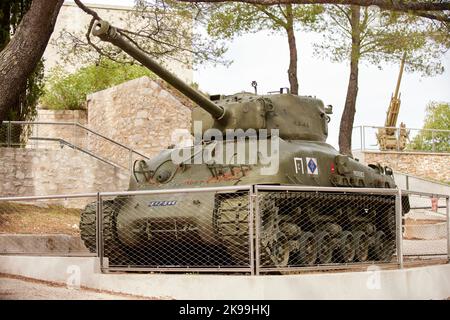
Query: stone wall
[139,113]
[45,115]
[64,171]
[432,166]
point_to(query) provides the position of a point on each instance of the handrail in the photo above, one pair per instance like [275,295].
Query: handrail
[363,135]
[398,128]
[77,124]
[70,145]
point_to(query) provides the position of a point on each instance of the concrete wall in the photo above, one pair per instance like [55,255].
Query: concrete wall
[139,113]
[432,282]
[434,166]
[44,171]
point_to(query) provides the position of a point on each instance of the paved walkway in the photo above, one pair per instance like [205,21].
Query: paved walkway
[12,288]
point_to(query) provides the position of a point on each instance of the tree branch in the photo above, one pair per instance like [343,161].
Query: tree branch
[416,7]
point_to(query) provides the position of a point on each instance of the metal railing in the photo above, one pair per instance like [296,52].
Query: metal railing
[29,134]
[364,138]
[244,229]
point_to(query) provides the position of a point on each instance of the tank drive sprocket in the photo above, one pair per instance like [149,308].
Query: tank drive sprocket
[113,249]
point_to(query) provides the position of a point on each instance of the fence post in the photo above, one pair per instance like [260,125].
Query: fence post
[99,228]
[399,225]
[433,147]
[250,231]
[8,139]
[257,231]
[363,139]
[447,203]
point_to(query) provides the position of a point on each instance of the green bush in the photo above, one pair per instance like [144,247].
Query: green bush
[437,117]
[68,91]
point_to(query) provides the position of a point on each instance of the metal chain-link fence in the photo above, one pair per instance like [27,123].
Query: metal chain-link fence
[200,229]
[426,226]
[244,229]
[302,227]
[46,225]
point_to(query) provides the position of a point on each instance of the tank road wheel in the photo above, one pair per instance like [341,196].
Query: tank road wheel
[324,247]
[346,247]
[275,246]
[307,253]
[361,245]
[279,252]
[383,247]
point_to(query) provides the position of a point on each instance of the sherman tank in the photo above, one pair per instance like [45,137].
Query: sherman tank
[297,228]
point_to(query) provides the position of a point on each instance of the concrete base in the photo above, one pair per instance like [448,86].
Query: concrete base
[42,244]
[431,282]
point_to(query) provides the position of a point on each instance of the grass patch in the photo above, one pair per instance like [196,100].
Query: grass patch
[31,219]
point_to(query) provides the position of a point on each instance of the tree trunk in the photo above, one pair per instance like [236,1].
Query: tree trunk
[348,116]
[20,57]
[5,22]
[292,71]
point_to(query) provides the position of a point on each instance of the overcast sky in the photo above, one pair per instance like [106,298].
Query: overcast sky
[264,57]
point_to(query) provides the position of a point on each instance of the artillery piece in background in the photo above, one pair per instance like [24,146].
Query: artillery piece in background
[390,137]
[314,222]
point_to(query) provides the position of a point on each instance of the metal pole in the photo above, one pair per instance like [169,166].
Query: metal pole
[363,138]
[8,139]
[407,182]
[433,148]
[130,160]
[257,231]
[100,231]
[97,225]
[250,232]
[447,203]
[398,215]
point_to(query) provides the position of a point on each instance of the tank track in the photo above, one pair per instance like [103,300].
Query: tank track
[293,232]
[231,225]
[296,231]
[113,249]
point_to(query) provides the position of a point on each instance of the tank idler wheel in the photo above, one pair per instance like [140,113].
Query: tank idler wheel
[383,247]
[307,253]
[324,247]
[346,248]
[361,245]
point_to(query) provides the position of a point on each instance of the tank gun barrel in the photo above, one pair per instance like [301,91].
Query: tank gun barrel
[106,32]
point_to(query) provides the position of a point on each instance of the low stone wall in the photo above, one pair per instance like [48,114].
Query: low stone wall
[64,171]
[434,166]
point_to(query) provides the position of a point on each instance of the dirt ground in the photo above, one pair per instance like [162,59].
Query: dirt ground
[52,219]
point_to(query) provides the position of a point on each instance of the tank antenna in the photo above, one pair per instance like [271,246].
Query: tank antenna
[255,86]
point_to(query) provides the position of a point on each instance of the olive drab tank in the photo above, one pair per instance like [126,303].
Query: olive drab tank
[296,125]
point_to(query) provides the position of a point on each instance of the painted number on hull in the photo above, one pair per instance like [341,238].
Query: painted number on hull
[298,164]
[162,203]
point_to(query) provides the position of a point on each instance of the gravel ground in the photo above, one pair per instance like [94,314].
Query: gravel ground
[13,288]
[424,247]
